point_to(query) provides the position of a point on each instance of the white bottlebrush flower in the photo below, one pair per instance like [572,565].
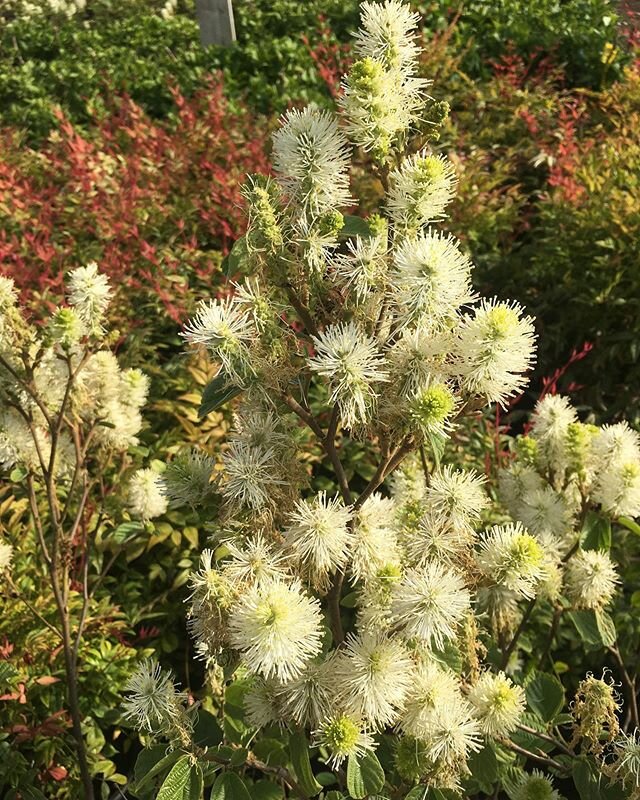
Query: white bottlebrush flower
[311,158]
[277,628]
[136,387]
[453,733]
[456,497]
[373,673]
[511,558]
[250,475]
[435,539]
[545,511]
[308,699]
[258,428]
[627,759]
[252,561]
[319,537]
[344,736]
[8,293]
[6,556]
[419,190]
[187,479]
[388,34]
[535,786]
[431,281]
[153,704]
[551,420]
[417,358]
[590,579]
[516,482]
[379,105]
[146,498]
[66,327]
[227,330]
[90,294]
[618,489]
[432,409]
[261,703]
[429,604]
[498,703]
[615,443]
[494,348]
[375,598]
[432,687]
[374,542]
[363,268]
[350,359]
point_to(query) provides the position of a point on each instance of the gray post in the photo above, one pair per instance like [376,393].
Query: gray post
[215,18]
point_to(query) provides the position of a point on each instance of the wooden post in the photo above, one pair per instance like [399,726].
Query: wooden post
[215,18]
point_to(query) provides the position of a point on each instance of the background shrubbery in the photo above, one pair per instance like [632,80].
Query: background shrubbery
[125,142]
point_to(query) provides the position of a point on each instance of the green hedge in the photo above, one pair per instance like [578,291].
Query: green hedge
[127,45]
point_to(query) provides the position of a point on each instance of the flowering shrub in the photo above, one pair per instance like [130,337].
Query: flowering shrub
[148,201]
[367,617]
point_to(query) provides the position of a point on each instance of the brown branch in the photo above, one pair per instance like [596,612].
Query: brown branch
[629,686]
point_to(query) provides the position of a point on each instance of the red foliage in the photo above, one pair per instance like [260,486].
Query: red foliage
[330,57]
[147,200]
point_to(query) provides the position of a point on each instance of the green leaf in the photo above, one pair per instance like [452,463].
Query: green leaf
[596,628]
[334,795]
[238,256]
[606,628]
[299,749]
[630,524]
[596,532]
[587,626]
[216,393]
[437,445]
[545,696]
[266,790]
[207,731]
[365,775]
[418,793]
[355,226]
[229,787]
[484,768]
[159,767]
[125,532]
[591,783]
[182,782]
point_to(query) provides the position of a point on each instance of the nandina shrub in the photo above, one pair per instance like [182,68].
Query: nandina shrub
[154,203]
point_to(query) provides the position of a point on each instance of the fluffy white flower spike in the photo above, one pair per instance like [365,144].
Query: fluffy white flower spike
[498,703]
[351,360]
[511,558]
[277,628]
[319,537]
[495,348]
[344,736]
[373,674]
[153,702]
[591,579]
[387,34]
[419,190]
[90,294]
[311,158]
[432,279]
[430,603]
[146,497]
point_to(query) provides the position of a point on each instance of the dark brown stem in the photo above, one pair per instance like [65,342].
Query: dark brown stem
[514,641]
[302,311]
[540,757]
[629,687]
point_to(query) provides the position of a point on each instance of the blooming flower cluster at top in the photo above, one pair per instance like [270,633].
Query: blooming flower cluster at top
[369,330]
